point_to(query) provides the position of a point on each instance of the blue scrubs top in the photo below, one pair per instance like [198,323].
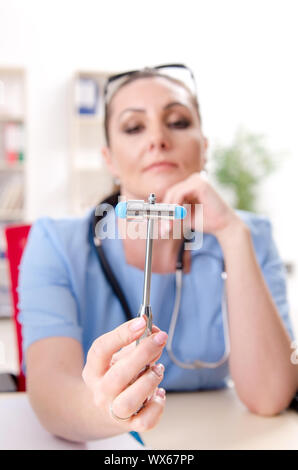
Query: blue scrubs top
[63,292]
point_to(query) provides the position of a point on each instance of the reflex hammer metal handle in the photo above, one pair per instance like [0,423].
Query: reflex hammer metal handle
[145,308]
[139,209]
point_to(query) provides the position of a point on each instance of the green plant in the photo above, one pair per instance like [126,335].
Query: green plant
[242,166]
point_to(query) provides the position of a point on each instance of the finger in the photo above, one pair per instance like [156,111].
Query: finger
[175,195]
[116,357]
[102,349]
[187,197]
[127,369]
[165,228]
[150,415]
[168,196]
[126,349]
[187,188]
[133,397]
[185,194]
[166,225]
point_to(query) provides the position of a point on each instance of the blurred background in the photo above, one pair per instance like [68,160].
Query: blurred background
[54,58]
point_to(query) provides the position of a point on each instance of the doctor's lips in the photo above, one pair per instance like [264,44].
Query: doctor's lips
[162,165]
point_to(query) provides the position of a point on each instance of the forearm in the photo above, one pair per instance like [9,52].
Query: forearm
[260,365]
[58,394]
[65,407]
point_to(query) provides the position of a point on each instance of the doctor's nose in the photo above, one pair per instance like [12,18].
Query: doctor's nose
[158,140]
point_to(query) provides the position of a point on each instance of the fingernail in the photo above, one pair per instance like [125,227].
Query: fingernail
[158,369]
[138,324]
[160,392]
[160,338]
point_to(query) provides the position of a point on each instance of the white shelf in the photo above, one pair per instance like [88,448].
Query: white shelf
[19,166]
[12,141]
[5,118]
[87,119]
[90,179]
[11,215]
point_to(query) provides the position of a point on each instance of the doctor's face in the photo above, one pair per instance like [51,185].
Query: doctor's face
[155,137]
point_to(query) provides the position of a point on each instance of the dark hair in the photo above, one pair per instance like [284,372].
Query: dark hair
[136,76]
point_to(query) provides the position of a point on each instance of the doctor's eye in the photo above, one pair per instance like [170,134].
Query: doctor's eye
[133,129]
[180,124]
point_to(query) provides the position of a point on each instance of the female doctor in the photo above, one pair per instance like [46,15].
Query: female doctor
[81,359]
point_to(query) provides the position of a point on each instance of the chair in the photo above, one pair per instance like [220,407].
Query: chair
[16,238]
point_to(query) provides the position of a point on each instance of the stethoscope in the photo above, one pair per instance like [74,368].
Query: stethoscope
[111,279]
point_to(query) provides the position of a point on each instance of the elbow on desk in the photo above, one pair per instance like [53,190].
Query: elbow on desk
[267,410]
[267,406]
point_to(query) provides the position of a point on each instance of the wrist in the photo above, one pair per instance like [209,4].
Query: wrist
[235,230]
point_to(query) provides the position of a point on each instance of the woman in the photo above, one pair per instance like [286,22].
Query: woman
[81,360]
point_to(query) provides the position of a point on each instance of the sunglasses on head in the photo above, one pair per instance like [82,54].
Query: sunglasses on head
[176,71]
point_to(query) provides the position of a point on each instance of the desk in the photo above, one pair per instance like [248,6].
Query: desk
[218,420]
[199,420]
[20,429]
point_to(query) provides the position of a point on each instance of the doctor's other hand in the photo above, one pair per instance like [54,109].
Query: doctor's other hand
[195,189]
[115,372]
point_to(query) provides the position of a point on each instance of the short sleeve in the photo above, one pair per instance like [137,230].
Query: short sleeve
[275,275]
[47,302]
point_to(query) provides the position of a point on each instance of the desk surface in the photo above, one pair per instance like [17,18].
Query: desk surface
[20,429]
[218,420]
[199,420]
